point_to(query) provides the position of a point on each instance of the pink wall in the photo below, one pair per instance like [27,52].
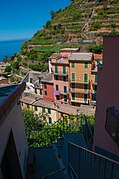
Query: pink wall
[49,89]
[107,93]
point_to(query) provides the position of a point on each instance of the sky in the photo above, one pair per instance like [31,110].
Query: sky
[20,19]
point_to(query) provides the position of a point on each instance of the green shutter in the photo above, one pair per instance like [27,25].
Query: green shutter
[85,77]
[57,88]
[65,89]
[73,76]
[31,80]
[49,111]
[56,69]
[35,107]
[85,65]
[64,70]
[40,91]
[73,96]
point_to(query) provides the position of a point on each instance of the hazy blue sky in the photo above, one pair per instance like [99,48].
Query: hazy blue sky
[22,18]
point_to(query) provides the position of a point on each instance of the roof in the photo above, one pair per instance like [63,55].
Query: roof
[81,56]
[48,79]
[27,100]
[67,109]
[44,103]
[55,55]
[8,94]
[62,108]
[97,56]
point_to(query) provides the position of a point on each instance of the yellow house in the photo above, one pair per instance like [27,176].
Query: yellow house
[80,75]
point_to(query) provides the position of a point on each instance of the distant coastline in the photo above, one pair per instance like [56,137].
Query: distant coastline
[10,47]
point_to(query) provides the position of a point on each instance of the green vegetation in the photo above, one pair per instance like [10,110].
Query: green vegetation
[95,49]
[40,133]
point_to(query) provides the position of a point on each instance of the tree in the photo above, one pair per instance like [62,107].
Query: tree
[8,69]
[33,122]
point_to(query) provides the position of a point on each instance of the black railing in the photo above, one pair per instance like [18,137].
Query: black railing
[88,134]
[85,164]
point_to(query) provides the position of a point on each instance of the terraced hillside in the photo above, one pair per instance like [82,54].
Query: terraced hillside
[83,21]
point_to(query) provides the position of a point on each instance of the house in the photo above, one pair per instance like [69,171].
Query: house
[106,134]
[48,88]
[13,142]
[80,75]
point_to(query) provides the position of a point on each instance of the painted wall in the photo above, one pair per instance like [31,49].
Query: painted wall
[14,121]
[107,93]
[49,88]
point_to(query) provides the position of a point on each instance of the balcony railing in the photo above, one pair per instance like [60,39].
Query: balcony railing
[83,163]
[79,82]
[60,73]
[79,101]
[84,91]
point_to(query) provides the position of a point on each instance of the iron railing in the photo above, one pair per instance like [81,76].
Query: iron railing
[85,164]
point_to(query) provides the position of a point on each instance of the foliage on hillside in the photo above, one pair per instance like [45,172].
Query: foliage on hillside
[80,20]
[81,24]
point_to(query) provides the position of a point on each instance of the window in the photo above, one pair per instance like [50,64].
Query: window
[28,106]
[73,65]
[73,76]
[49,111]
[57,88]
[96,78]
[85,87]
[73,85]
[35,90]
[112,123]
[43,110]
[64,78]
[45,86]
[31,80]
[57,97]
[86,65]
[40,91]
[35,108]
[65,89]
[56,77]
[85,97]
[73,96]
[65,98]
[50,120]
[85,77]
[56,69]
[45,92]
[64,70]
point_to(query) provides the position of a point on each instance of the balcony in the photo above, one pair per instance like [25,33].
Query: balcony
[79,101]
[60,92]
[60,73]
[64,92]
[79,82]
[81,91]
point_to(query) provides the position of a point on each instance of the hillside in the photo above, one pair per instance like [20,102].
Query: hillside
[82,20]
[81,24]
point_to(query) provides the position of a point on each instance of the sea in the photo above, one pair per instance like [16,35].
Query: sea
[10,47]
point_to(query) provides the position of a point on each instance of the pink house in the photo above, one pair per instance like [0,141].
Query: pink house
[60,71]
[106,133]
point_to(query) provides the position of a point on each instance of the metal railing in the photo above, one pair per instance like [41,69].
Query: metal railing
[88,134]
[85,164]
[54,173]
